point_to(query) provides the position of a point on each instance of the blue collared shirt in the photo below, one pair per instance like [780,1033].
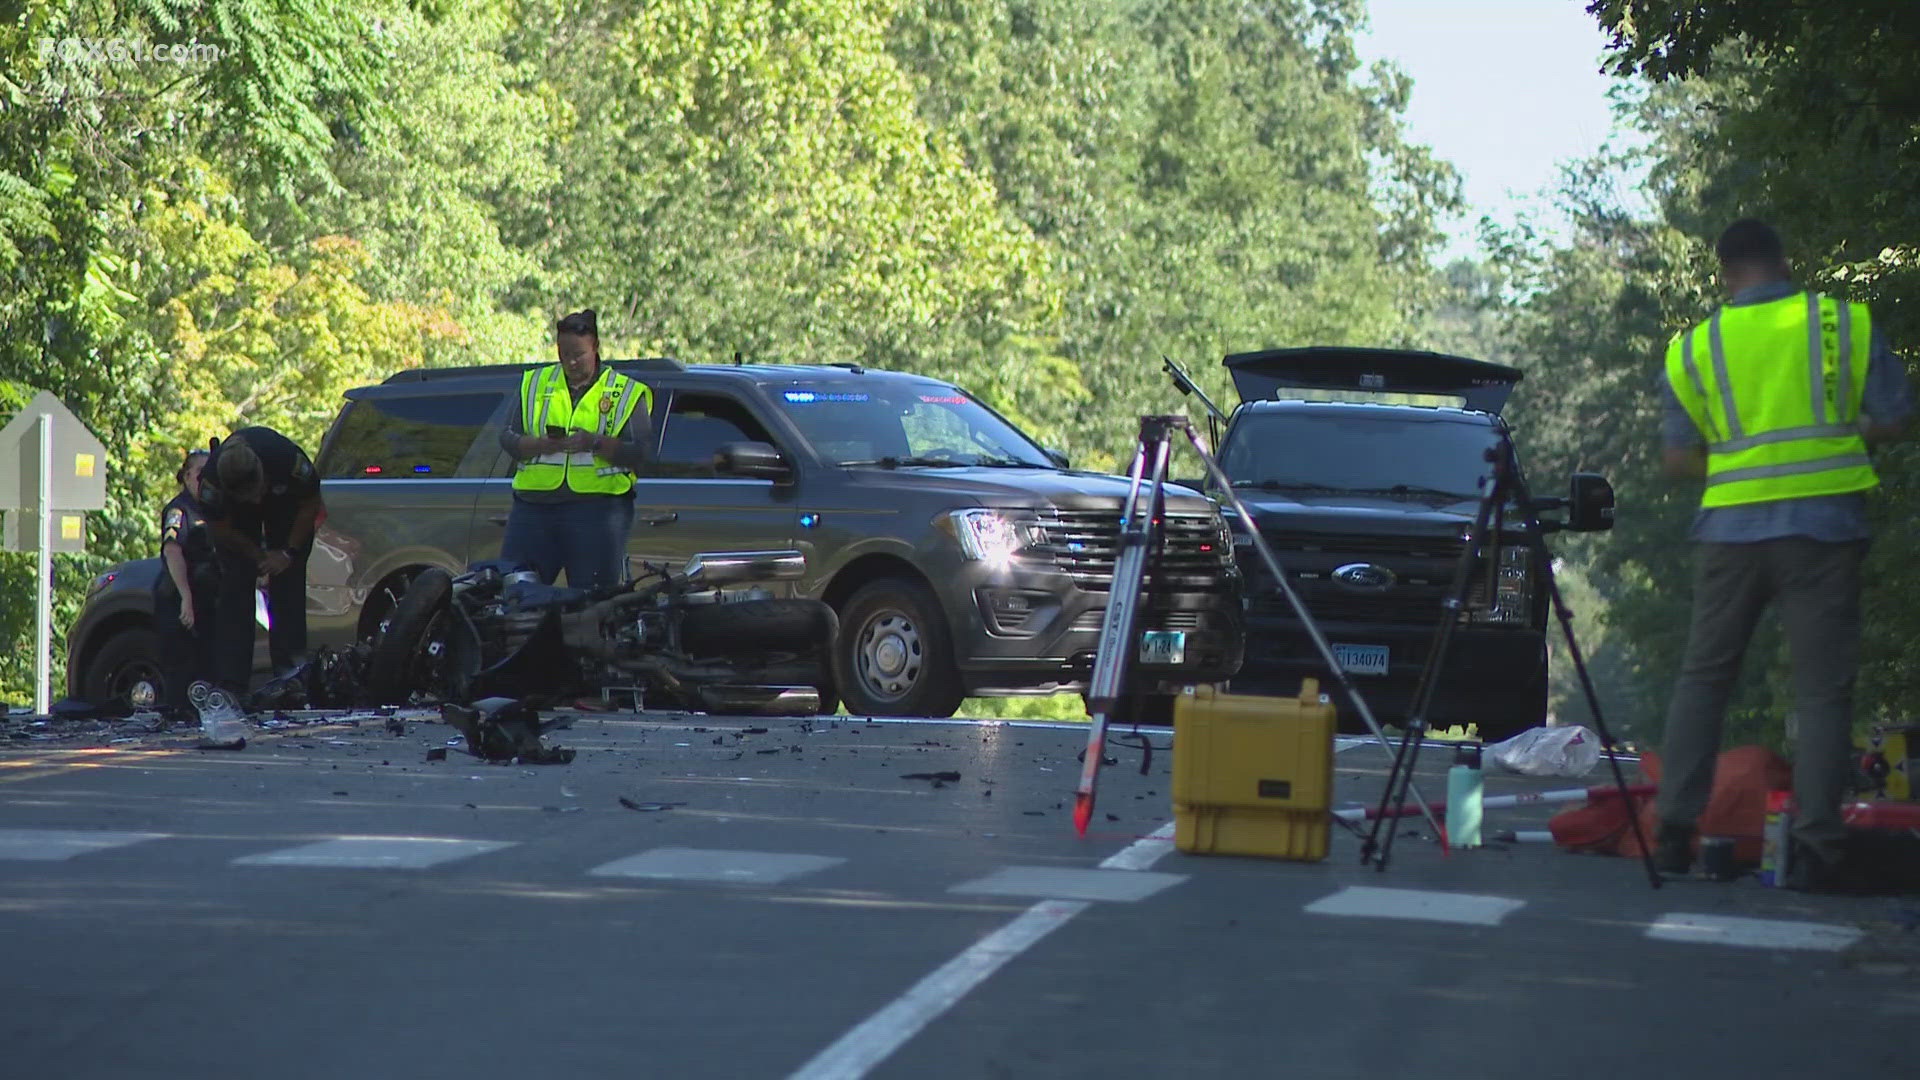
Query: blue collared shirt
[1836,518]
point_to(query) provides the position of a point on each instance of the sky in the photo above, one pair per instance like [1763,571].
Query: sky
[1503,89]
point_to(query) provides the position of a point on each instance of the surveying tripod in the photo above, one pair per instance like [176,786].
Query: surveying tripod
[1141,528]
[1483,540]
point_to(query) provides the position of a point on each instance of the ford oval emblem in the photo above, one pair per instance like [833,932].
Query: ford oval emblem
[1364,577]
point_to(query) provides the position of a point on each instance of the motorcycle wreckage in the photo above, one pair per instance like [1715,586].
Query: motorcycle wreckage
[674,638]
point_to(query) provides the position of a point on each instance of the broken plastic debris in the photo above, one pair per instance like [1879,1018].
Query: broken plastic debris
[948,777]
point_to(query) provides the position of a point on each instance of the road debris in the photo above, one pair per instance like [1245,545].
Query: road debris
[504,729]
[648,806]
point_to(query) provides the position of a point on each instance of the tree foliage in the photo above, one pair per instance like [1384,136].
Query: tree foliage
[1804,115]
[1035,199]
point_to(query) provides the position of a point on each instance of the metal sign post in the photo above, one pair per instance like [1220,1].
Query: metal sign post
[50,466]
[43,590]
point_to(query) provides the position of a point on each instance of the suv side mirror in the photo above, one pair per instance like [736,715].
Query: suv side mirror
[1059,457]
[1590,503]
[754,459]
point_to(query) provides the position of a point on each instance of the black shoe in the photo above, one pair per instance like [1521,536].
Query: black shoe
[1673,849]
[1809,871]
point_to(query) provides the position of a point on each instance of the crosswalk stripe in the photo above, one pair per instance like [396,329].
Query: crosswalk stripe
[55,845]
[706,864]
[1420,904]
[375,852]
[1065,883]
[1741,932]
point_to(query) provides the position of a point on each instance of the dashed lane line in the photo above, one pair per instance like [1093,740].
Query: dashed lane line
[58,845]
[1420,904]
[375,853]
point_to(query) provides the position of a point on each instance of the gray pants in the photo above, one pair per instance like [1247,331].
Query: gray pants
[1817,587]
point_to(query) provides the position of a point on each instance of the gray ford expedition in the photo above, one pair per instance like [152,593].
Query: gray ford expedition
[962,557]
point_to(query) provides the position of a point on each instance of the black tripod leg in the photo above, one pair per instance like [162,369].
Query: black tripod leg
[1606,737]
[1565,617]
[1307,621]
[1458,595]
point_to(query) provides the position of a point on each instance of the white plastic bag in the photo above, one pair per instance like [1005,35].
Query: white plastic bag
[1549,751]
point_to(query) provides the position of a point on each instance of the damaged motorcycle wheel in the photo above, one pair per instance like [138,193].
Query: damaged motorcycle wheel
[402,660]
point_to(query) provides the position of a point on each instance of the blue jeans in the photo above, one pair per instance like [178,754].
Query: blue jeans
[585,537]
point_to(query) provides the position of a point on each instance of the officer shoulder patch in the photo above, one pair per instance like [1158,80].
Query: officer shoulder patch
[175,518]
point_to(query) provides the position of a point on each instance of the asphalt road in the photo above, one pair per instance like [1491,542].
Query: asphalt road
[328,903]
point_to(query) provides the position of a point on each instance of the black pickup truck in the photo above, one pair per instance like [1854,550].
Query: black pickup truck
[962,557]
[1362,469]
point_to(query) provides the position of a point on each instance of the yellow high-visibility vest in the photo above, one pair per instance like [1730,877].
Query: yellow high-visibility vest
[1776,389]
[603,409]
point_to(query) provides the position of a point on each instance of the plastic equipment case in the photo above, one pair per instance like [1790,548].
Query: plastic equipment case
[1253,775]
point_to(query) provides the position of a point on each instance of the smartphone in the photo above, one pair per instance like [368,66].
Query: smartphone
[555,431]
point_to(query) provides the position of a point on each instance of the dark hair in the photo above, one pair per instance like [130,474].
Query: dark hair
[1750,240]
[239,472]
[180,474]
[581,324]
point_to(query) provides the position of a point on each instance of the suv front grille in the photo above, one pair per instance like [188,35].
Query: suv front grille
[1092,618]
[1085,544]
[1423,570]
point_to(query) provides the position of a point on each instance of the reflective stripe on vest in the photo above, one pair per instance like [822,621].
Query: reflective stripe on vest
[604,408]
[1779,400]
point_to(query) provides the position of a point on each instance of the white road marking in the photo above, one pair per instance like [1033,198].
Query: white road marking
[874,1039]
[1067,883]
[1368,902]
[375,852]
[55,845]
[701,864]
[1752,933]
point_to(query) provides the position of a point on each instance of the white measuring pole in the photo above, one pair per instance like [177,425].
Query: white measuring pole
[43,592]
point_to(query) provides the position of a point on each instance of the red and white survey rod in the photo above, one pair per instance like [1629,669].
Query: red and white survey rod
[1496,802]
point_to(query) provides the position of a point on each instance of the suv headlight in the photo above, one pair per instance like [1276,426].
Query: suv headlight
[993,536]
[1512,593]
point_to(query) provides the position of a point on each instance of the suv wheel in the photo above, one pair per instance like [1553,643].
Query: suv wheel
[893,657]
[126,671]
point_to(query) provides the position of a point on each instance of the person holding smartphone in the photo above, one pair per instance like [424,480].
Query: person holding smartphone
[578,436]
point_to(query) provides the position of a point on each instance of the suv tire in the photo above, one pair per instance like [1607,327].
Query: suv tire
[893,657]
[749,627]
[393,669]
[122,662]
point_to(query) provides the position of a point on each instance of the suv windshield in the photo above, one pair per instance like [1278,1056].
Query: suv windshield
[1376,455]
[906,426]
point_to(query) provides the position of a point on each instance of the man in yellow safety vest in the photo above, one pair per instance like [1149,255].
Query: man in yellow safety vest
[580,432]
[1773,402]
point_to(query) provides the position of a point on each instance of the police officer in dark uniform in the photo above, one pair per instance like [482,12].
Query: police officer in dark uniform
[261,497]
[184,593]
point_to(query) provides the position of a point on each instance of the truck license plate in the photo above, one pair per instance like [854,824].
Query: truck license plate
[1362,659]
[1163,647]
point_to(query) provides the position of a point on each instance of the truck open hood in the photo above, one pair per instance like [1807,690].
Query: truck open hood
[1260,376]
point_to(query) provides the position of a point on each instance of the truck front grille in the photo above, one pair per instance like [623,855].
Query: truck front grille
[1423,570]
[1085,543]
